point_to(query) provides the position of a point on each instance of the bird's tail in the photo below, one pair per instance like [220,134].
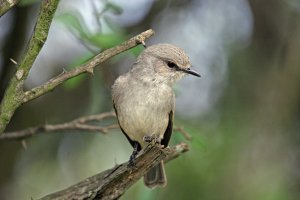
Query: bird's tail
[156,176]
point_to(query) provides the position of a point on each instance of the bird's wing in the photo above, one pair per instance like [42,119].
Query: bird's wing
[168,132]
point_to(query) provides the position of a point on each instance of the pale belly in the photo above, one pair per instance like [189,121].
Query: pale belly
[145,113]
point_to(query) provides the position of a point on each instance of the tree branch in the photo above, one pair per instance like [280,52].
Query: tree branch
[14,93]
[14,96]
[109,184]
[6,5]
[79,124]
[112,183]
[87,67]
[85,123]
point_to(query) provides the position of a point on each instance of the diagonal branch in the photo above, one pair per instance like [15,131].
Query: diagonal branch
[14,93]
[113,183]
[87,67]
[6,5]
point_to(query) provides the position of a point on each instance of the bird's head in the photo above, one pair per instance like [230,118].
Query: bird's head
[169,63]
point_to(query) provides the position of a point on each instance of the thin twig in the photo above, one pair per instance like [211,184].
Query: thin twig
[13,61]
[113,183]
[185,134]
[97,117]
[177,150]
[79,124]
[87,67]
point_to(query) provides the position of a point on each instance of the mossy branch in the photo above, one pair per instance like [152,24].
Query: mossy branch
[14,93]
[6,5]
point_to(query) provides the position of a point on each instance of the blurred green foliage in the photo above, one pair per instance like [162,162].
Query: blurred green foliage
[27,2]
[99,40]
[245,148]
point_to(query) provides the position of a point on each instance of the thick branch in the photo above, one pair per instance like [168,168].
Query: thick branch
[112,183]
[14,94]
[6,5]
[79,124]
[87,67]
[38,38]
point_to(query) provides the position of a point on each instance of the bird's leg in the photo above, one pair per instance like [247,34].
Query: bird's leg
[133,155]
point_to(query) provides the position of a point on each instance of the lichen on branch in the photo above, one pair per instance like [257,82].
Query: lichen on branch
[13,96]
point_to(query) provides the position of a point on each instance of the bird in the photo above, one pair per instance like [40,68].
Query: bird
[144,101]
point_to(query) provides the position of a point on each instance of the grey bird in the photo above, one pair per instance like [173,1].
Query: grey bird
[144,100]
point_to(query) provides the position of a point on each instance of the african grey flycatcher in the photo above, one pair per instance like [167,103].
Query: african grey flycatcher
[144,100]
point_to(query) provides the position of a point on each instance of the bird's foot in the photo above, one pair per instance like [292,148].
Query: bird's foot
[152,139]
[132,162]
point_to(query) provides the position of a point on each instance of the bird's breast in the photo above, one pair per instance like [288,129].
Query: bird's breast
[144,110]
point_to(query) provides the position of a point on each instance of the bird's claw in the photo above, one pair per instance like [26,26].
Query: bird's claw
[132,164]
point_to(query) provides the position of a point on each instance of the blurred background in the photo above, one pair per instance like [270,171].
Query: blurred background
[243,113]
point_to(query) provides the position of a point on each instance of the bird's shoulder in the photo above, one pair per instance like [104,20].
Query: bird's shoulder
[132,87]
[118,87]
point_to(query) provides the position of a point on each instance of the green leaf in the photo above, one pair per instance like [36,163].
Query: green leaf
[137,50]
[27,2]
[73,82]
[76,81]
[74,21]
[106,41]
[198,142]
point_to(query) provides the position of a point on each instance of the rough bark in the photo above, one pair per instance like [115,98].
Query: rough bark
[113,183]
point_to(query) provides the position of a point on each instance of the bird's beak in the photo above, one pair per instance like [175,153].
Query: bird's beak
[192,72]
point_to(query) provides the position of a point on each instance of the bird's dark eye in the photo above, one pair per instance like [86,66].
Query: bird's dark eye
[171,64]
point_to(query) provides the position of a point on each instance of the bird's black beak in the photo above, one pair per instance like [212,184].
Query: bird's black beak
[192,72]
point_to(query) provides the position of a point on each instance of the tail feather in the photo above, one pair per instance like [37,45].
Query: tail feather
[156,176]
